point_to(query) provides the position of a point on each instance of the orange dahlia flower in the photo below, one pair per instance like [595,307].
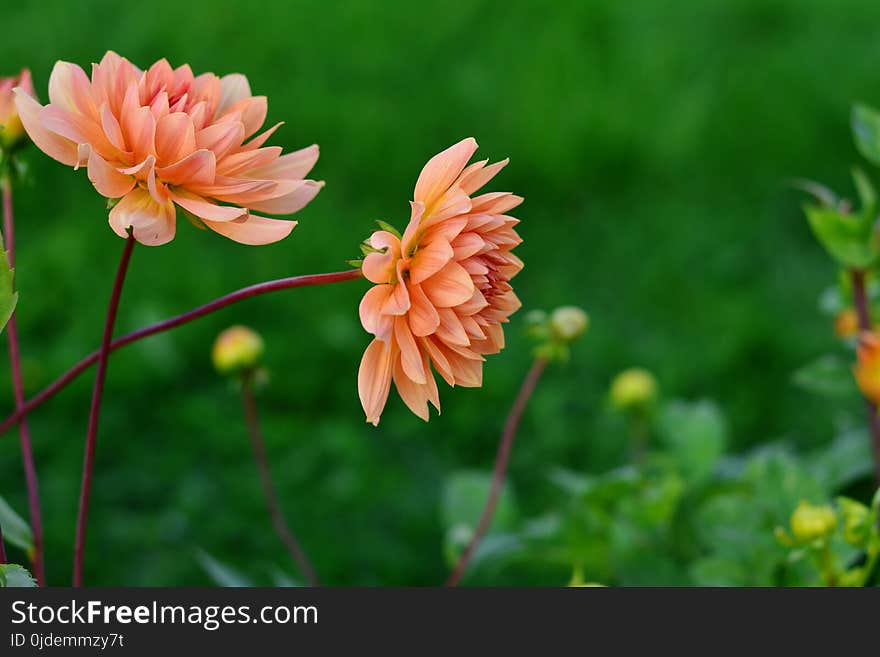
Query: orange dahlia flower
[11,130]
[443,289]
[164,138]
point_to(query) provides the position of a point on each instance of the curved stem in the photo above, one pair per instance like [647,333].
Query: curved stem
[501,461]
[863,310]
[95,414]
[166,325]
[27,452]
[285,533]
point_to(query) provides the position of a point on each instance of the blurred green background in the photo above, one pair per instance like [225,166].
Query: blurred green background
[652,142]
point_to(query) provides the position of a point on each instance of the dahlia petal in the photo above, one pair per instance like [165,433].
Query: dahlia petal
[450,328]
[442,170]
[233,88]
[152,223]
[398,301]
[410,356]
[374,379]
[430,259]
[221,137]
[378,267]
[292,166]
[370,308]
[253,230]
[244,161]
[55,146]
[438,358]
[160,107]
[260,139]
[472,328]
[253,113]
[107,180]
[175,138]
[423,317]
[70,89]
[112,128]
[410,235]
[473,180]
[205,209]
[448,229]
[466,245]
[468,373]
[449,287]
[291,202]
[474,305]
[495,202]
[413,393]
[139,129]
[454,202]
[197,168]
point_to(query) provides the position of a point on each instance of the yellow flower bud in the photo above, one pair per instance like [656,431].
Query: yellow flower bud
[856,525]
[11,129]
[846,323]
[237,349]
[809,522]
[633,389]
[569,322]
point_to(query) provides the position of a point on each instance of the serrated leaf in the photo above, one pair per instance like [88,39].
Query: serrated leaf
[828,375]
[15,576]
[222,574]
[16,530]
[849,239]
[866,132]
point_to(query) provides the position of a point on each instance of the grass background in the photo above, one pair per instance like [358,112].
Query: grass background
[652,141]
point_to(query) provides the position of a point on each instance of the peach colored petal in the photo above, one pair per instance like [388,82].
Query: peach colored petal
[253,230]
[410,235]
[466,245]
[205,209]
[139,129]
[260,139]
[475,179]
[374,379]
[441,363]
[414,394]
[152,223]
[253,113]
[410,356]
[197,168]
[108,181]
[370,309]
[70,89]
[442,170]
[175,138]
[55,146]
[292,166]
[398,301]
[233,88]
[495,202]
[450,329]
[237,164]
[430,260]
[423,317]
[292,201]
[221,137]
[449,287]
[111,128]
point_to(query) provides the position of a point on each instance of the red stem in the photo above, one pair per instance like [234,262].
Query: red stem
[27,452]
[2,547]
[285,533]
[95,413]
[501,460]
[863,310]
[166,325]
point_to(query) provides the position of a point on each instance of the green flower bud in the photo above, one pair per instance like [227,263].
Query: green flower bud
[237,349]
[856,521]
[569,322]
[809,522]
[633,389]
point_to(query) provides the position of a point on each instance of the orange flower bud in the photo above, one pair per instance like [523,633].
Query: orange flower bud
[867,367]
[846,323]
[11,129]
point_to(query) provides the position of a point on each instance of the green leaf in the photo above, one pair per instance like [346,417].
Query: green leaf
[464,496]
[222,574]
[828,375]
[866,132]
[849,239]
[865,189]
[16,531]
[8,295]
[695,433]
[15,576]
[845,461]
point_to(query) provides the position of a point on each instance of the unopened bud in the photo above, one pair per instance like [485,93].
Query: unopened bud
[633,389]
[856,521]
[11,129]
[846,323]
[237,349]
[809,522]
[569,322]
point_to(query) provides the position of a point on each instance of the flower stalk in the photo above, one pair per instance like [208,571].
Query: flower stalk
[285,533]
[95,413]
[27,452]
[501,460]
[173,322]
